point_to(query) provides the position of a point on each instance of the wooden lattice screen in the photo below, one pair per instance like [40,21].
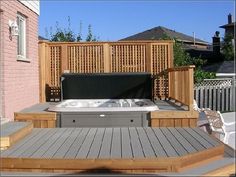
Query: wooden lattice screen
[100,57]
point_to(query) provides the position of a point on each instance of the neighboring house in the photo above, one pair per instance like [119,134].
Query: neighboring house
[229,28]
[225,69]
[161,32]
[19,77]
[194,46]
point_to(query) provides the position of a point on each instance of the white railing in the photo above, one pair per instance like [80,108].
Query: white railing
[216,94]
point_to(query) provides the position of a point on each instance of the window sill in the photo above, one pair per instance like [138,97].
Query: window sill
[22,58]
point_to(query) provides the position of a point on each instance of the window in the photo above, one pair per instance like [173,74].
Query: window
[21,40]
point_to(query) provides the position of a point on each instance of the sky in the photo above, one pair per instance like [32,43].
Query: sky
[114,20]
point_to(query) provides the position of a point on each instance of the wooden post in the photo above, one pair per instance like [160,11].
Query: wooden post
[107,59]
[148,65]
[64,58]
[42,67]
[190,85]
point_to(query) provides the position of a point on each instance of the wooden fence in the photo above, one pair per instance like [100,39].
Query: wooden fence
[219,97]
[101,57]
[179,84]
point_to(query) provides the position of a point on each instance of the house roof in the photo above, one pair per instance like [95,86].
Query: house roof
[42,38]
[228,25]
[161,32]
[222,67]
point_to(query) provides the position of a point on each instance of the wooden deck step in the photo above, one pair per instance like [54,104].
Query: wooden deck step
[11,132]
[129,150]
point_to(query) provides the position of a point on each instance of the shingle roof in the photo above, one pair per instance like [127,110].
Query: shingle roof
[161,32]
[222,67]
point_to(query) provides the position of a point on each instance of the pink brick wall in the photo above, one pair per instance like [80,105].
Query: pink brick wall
[20,79]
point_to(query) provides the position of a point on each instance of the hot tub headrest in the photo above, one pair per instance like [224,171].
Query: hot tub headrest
[106,86]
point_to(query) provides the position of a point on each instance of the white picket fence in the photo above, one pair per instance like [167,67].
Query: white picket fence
[216,94]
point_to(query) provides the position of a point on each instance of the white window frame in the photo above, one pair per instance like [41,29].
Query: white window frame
[22,56]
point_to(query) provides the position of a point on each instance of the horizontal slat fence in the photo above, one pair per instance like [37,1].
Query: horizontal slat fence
[102,57]
[218,97]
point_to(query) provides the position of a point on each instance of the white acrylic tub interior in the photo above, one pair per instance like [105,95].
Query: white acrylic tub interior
[104,105]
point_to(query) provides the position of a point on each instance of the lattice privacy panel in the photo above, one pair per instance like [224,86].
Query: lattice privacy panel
[128,58]
[160,62]
[86,59]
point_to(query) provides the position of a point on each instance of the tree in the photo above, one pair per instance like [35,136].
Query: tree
[90,36]
[228,48]
[182,58]
[63,36]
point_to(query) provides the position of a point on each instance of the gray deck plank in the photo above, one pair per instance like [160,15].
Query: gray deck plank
[179,148]
[19,144]
[29,144]
[135,143]
[158,149]
[116,143]
[199,138]
[165,143]
[11,127]
[105,151]
[40,152]
[212,141]
[97,143]
[67,144]
[126,151]
[182,140]
[38,144]
[146,145]
[75,147]
[85,148]
[190,139]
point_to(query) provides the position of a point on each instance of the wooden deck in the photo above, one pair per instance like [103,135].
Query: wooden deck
[131,150]
[168,115]
[12,132]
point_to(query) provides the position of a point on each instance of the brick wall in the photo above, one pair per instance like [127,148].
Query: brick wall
[20,79]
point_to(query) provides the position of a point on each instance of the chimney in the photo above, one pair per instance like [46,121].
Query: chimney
[229,18]
[216,43]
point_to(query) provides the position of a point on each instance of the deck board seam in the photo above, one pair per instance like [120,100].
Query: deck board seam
[52,133]
[27,146]
[190,145]
[23,142]
[63,142]
[101,143]
[170,142]
[50,145]
[160,142]
[205,146]
[72,143]
[92,143]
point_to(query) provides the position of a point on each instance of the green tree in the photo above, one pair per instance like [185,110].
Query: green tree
[90,37]
[63,36]
[228,49]
[182,58]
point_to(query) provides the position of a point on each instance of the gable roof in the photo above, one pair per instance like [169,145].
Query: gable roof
[161,32]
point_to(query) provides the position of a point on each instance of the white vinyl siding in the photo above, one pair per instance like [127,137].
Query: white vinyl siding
[32,4]
[21,39]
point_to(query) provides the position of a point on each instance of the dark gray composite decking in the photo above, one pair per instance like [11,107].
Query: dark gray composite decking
[9,128]
[109,143]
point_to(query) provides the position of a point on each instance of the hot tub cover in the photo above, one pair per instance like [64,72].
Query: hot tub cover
[106,86]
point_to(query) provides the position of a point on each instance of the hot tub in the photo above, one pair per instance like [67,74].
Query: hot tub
[104,112]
